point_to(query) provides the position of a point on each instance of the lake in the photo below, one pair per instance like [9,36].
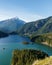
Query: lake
[16,42]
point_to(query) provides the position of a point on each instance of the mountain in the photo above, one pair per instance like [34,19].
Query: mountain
[38,27]
[15,25]
[11,25]
[39,31]
[47,28]
[45,39]
[2,34]
[44,34]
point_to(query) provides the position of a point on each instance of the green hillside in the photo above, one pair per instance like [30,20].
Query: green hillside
[47,28]
[37,27]
[26,56]
[43,39]
[46,61]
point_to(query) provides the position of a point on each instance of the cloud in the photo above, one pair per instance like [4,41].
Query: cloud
[26,16]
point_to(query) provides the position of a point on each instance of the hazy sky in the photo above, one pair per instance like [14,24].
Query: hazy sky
[27,10]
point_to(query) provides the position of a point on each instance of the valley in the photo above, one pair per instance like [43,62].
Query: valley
[32,40]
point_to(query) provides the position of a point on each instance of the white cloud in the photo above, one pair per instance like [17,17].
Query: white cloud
[26,16]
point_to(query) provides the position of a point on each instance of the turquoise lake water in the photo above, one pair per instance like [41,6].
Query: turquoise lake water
[16,42]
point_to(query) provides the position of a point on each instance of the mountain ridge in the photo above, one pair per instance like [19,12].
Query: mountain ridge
[36,26]
[17,26]
[11,25]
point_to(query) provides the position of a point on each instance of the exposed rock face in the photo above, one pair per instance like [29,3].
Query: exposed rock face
[39,27]
[11,25]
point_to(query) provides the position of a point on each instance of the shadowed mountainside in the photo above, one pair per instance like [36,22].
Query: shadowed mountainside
[11,25]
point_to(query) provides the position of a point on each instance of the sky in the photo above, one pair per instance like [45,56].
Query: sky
[27,10]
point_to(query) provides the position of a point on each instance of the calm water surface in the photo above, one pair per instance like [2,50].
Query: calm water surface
[15,42]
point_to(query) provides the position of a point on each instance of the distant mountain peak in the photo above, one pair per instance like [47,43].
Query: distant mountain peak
[11,25]
[14,18]
[50,17]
